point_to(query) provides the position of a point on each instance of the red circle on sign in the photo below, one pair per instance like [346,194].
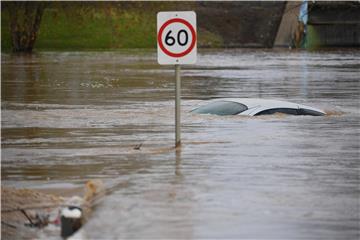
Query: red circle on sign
[193,41]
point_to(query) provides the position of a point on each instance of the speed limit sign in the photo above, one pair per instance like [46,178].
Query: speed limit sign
[176,45]
[176,37]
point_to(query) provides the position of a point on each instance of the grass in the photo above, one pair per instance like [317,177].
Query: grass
[96,27]
[313,40]
[5,32]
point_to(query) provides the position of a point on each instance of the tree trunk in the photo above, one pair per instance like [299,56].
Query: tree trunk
[25,19]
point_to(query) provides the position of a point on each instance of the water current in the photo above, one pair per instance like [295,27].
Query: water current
[68,117]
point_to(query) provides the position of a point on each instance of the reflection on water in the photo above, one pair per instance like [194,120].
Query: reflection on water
[69,117]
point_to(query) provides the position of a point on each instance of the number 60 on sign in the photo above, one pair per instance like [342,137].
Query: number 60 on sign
[176,37]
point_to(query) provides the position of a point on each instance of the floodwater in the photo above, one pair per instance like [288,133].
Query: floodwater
[68,117]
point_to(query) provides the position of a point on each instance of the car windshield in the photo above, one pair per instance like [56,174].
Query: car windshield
[221,108]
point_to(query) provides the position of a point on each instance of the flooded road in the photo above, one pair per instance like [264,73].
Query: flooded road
[74,116]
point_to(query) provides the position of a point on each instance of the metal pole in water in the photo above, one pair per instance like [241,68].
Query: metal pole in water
[177,106]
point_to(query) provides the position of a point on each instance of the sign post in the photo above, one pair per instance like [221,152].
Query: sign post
[177,106]
[176,45]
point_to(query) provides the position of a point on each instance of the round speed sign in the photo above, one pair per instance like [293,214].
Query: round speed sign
[176,37]
[180,35]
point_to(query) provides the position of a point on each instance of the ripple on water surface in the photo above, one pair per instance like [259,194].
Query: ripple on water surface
[69,117]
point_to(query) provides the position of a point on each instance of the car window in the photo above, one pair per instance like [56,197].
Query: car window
[221,108]
[291,111]
[304,111]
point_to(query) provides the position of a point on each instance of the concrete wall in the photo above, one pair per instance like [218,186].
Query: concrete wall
[333,24]
[241,24]
[288,25]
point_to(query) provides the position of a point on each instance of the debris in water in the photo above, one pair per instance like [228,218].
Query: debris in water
[25,212]
[138,146]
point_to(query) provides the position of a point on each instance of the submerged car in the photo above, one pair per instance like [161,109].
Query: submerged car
[255,107]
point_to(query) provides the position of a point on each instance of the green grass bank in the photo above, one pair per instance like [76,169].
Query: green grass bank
[101,25]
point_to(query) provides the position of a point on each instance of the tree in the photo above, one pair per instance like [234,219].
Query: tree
[25,19]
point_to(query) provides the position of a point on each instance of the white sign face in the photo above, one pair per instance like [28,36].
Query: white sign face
[176,37]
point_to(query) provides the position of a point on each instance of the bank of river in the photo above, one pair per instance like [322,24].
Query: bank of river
[68,117]
[119,25]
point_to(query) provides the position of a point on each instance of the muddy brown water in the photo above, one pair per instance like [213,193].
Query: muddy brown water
[72,116]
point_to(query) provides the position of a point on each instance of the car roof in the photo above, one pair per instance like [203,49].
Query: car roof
[254,102]
[266,103]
